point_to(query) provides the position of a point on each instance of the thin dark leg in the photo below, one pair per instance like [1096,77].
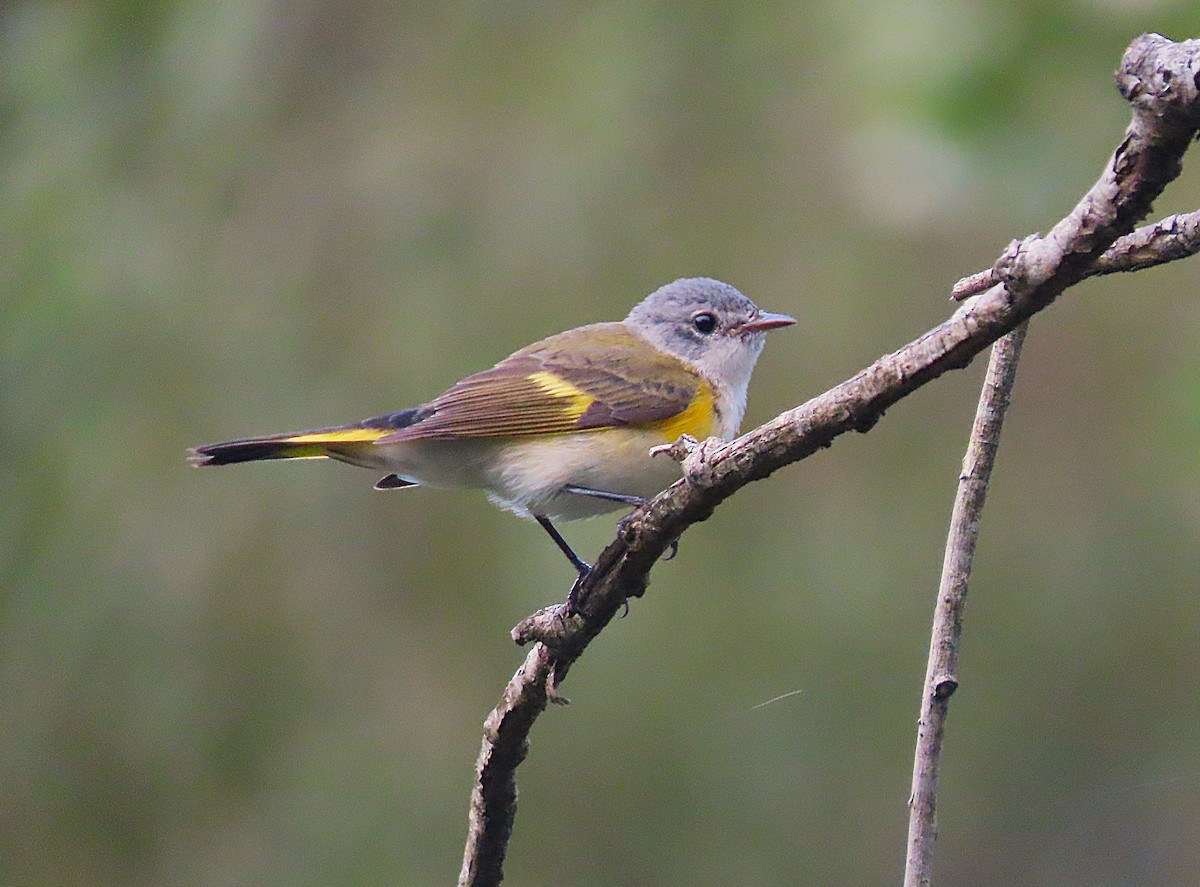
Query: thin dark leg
[605,494]
[582,566]
[627,500]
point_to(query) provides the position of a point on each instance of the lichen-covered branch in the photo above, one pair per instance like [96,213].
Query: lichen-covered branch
[1159,79]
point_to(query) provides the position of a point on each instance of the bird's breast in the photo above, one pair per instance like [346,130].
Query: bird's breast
[696,419]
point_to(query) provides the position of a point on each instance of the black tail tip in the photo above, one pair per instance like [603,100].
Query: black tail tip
[234,451]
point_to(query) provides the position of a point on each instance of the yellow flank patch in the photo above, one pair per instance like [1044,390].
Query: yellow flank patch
[696,419]
[345,435]
[556,386]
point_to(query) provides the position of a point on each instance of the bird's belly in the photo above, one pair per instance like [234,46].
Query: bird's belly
[529,474]
[526,475]
[460,463]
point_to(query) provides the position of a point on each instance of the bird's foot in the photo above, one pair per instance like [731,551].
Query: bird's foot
[585,570]
[573,594]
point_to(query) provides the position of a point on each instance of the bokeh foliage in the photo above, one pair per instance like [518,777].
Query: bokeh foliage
[229,218]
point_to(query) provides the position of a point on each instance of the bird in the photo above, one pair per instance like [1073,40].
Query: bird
[562,429]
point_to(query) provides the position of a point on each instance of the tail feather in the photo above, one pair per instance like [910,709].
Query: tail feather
[320,443]
[254,449]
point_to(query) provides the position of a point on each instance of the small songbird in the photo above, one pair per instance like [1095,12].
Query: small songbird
[563,428]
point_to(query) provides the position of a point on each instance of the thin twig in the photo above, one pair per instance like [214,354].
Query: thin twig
[941,676]
[1167,240]
[1158,77]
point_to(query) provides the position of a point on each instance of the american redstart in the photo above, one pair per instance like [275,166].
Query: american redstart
[563,428]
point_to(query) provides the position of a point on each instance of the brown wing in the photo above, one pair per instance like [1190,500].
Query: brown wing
[592,377]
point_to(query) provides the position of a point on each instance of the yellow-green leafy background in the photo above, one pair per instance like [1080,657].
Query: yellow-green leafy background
[220,219]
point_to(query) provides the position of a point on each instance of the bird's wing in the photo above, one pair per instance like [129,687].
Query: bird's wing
[593,377]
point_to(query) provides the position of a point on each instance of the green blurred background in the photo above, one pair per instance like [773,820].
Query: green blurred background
[224,219]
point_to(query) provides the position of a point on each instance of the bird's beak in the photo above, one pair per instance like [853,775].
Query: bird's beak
[767,321]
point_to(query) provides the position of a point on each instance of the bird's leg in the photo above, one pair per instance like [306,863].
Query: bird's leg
[623,498]
[608,496]
[581,566]
[636,501]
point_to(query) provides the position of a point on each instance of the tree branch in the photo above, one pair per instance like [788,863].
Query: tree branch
[941,675]
[505,744]
[1175,237]
[1159,78]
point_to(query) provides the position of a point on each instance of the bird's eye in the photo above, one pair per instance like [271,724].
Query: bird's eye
[704,322]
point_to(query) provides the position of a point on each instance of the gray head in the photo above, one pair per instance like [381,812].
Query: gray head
[710,325]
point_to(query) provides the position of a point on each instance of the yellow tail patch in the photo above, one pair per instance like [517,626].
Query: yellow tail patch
[345,435]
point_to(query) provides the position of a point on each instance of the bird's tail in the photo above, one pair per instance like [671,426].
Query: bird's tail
[346,443]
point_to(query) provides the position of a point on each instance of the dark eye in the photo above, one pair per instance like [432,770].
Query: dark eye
[704,322]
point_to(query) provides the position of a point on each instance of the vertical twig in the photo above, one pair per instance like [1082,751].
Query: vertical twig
[941,676]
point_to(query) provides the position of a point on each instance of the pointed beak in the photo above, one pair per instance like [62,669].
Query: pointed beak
[767,321]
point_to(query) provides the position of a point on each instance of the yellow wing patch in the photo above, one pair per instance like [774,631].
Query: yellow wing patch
[556,386]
